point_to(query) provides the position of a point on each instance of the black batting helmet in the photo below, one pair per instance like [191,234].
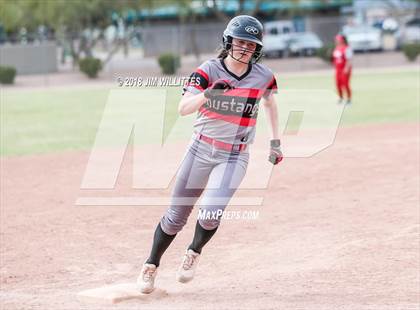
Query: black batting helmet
[244,27]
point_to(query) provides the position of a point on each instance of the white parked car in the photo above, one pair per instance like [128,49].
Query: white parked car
[363,38]
[274,46]
[304,43]
[411,32]
[276,37]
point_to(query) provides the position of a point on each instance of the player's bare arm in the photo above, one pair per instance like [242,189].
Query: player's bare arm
[190,103]
[348,66]
[270,107]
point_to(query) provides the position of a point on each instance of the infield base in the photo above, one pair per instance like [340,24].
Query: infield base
[116,293]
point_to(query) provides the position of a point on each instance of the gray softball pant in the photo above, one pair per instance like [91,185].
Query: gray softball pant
[205,171]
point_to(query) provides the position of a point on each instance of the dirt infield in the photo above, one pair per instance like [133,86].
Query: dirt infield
[339,230]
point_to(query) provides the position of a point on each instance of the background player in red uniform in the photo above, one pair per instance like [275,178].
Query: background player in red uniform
[342,56]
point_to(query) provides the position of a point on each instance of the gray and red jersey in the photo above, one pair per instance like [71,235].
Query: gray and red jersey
[231,115]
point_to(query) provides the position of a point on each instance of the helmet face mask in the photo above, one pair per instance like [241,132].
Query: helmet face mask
[235,49]
[245,28]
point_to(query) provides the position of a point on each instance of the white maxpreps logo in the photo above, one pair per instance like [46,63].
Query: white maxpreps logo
[251,30]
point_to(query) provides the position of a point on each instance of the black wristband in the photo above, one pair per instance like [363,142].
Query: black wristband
[275,143]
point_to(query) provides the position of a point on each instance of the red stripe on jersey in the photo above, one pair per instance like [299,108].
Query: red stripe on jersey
[204,74]
[271,88]
[254,93]
[272,83]
[242,121]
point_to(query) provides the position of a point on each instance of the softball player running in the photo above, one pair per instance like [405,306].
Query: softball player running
[225,92]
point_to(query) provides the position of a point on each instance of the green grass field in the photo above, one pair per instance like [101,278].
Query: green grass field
[41,121]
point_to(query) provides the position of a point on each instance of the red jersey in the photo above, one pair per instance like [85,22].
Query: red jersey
[340,56]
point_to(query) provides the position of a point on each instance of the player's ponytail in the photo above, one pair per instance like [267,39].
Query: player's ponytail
[222,52]
[346,42]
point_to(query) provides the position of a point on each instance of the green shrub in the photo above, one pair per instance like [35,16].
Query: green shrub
[411,51]
[90,66]
[169,63]
[325,52]
[7,75]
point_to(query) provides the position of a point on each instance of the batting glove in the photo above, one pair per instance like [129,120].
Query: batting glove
[276,155]
[215,88]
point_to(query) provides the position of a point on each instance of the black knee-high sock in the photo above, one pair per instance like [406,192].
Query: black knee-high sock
[201,237]
[161,242]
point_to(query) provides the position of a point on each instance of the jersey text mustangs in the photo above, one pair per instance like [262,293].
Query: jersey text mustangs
[231,115]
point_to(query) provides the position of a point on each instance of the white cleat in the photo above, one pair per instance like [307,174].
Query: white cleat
[187,269]
[146,279]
